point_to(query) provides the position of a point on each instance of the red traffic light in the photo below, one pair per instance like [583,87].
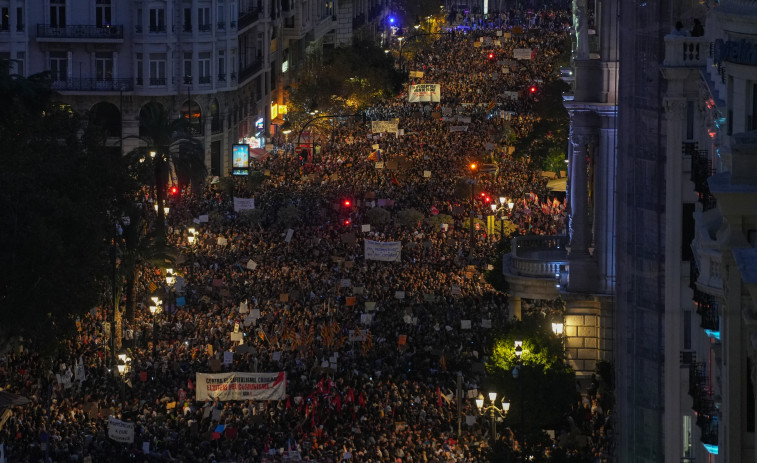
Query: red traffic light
[346,222]
[491,56]
[174,190]
[347,203]
[532,89]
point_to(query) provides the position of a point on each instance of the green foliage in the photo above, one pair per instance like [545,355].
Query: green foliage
[359,74]
[409,217]
[549,134]
[476,221]
[436,221]
[55,228]
[545,386]
[255,180]
[377,216]
[288,216]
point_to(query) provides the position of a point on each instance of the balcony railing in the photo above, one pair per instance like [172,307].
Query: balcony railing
[204,27]
[221,25]
[248,17]
[707,308]
[686,51]
[538,256]
[94,85]
[159,81]
[250,70]
[204,79]
[80,32]
[157,28]
[701,170]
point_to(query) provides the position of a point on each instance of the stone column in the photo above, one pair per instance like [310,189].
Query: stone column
[580,239]
[514,308]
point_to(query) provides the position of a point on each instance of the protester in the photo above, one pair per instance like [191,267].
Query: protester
[371,349]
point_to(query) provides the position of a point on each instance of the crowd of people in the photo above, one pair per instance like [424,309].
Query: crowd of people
[372,349]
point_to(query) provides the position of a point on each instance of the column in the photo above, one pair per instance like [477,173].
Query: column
[579,245]
[582,325]
[604,206]
[514,306]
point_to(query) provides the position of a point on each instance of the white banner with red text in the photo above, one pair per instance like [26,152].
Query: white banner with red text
[424,93]
[241,386]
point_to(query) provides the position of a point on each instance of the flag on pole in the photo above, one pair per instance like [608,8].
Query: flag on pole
[394,179]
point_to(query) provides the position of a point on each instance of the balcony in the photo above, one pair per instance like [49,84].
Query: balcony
[248,17]
[93,85]
[707,252]
[251,69]
[158,81]
[686,52]
[204,27]
[221,25]
[707,309]
[48,33]
[532,265]
[204,80]
[538,256]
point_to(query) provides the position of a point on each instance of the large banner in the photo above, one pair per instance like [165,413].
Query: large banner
[385,126]
[243,204]
[425,93]
[389,251]
[241,386]
[522,53]
[120,431]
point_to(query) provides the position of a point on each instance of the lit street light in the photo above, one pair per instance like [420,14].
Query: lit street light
[493,410]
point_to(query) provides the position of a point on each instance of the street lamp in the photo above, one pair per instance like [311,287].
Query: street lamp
[516,376]
[170,277]
[493,410]
[557,327]
[473,169]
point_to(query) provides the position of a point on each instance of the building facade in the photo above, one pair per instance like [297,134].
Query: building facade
[224,65]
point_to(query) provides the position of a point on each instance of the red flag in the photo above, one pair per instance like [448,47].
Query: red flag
[190,386]
[394,179]
[361,400]
[434,210]
[289,403]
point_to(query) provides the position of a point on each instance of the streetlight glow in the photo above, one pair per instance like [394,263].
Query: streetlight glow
[492,396]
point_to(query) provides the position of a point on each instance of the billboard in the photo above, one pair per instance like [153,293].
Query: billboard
[240,159]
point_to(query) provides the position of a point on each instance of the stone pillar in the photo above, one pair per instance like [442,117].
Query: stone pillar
[604,207]
[514,308]
[580,239]
[582,326]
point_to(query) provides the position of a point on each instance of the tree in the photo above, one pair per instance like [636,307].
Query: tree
[168,148]
[409,217]
[544,388]
[56,213]
[377,216]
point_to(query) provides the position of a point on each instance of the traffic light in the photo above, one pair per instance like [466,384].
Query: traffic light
[174,191]
[532,89]
[485,198]
[347,222]
[490,56]
[346,203]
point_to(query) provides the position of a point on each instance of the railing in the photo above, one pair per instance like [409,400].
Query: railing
[221,25]
[204,27]
[157,27]
[80,32]
[157,81]
[204,79]
[233,24]
[248,17]
[701,170]
[250,70]
[93,85]
[538,256]
[221,77]
[707,309]
[685,51]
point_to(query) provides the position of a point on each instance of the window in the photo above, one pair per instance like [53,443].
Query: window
[57,13]
[204,64]
[689,120]
[157,20]
[102,13]
[104,66]
[5,21]
[188,68]
[157,69]
[233,13]
[19,19]
[203,19]
[59,65]
[221,65]
[138,22]
[187,19]
[140,69]
[220,18]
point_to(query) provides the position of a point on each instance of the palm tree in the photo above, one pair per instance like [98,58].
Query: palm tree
[166,147]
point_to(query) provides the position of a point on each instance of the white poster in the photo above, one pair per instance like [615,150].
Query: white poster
[120,431]
[243,204]
[424,93]
[241,386]
[389,251]
[522,53]
[391,126]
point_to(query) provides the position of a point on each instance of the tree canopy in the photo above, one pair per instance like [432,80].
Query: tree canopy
[56,203]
